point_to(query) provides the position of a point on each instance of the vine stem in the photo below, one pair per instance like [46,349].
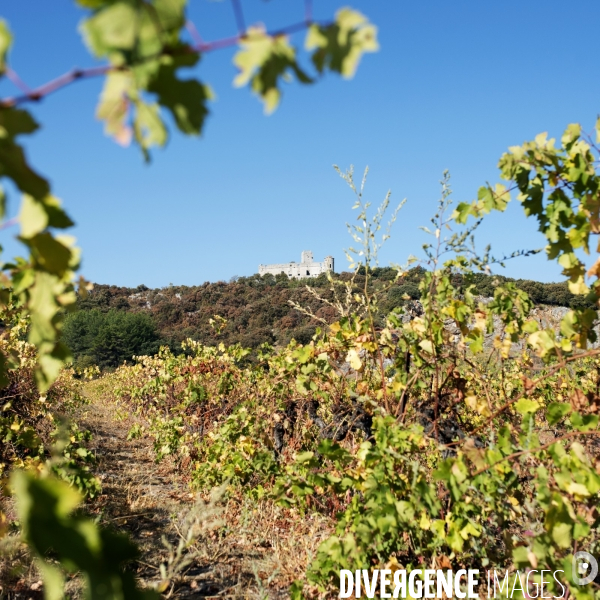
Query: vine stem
[12,75]
[534,384]
[532,450]
[239,16]
[37,94]
[308,11]
[9,223]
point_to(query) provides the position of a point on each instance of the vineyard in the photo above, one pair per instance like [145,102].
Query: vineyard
[462,434]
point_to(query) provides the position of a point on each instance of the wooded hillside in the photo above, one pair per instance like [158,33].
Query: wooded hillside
[257,310]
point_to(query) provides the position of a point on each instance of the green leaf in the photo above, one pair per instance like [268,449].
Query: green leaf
[304,457]
[340,46]
[45,508]
[542,342]
[112,28]
[44,308]
[525,406]
[185,99]
[556,411]
[57,217]
[304,354]
[5,43]
[427,345]
[113,107]
[476,341]
[2,203]
[354,359]
[333,451]
[263,60]
[49,253]
[91,3]
[170,13]
[148,128]
[14,122]
[571,135]
[33,217]
[462,212]
[295,590]
[584,422]
[561,534]
[54,581]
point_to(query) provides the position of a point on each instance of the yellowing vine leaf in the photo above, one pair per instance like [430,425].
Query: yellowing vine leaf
[114,105]
[5,43]
[354,359]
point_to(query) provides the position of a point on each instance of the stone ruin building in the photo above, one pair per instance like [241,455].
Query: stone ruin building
[307,267]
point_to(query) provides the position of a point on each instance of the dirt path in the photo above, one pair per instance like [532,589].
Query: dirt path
[254,553]
[147,501]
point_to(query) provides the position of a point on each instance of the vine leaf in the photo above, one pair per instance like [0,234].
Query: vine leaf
[340,46]
[142,43]
[185,99]
[5,43]
[114,105]
[113,28]
[263,60]
[13,164]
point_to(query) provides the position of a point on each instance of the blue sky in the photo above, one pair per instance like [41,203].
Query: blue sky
[454,84]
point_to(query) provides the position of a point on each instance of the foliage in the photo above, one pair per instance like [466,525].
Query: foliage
[145,44]
[557,186]
[46,511]
[37,431]
[457,431]
[109,339]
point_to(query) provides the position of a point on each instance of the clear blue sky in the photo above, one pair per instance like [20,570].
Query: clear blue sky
[454,84]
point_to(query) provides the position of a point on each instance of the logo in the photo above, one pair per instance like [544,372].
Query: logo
[585,568]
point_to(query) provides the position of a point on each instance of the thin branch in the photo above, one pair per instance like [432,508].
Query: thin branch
[532,450]
[70,77]
[193,31]
[239,17]
[6,225]
[56,84]
[12,75]
[308,11]
[534,384]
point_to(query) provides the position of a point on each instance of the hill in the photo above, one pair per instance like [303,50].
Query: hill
[257,310]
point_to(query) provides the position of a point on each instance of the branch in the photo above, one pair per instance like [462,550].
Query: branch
[76,74]
[239,16]
[44,90]
[535,383]
[12,75]
[532,450]
[308,11]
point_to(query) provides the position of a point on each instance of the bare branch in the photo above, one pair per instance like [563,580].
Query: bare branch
[239,16]
[308,11]
[12,75]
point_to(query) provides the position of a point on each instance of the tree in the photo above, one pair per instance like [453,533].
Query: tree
[109,339]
